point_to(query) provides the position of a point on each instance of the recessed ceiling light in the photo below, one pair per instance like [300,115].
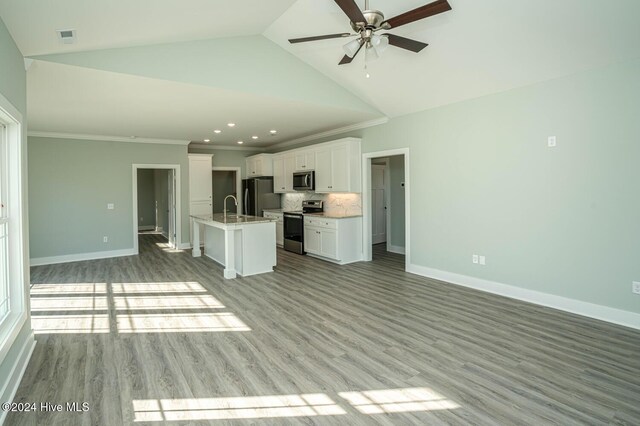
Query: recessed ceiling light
[240,142]
[231,124]
[217,131]
[254,137]
[273,132]
[207,140]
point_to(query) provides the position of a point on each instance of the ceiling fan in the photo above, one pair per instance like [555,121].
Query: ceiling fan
[367,23]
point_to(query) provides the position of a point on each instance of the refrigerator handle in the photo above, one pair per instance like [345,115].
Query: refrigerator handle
[245,206]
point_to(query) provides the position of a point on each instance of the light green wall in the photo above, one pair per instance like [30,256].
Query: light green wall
[226,158]
[396,178]
[13,88]
[71,182]
[146,198]
[562,221]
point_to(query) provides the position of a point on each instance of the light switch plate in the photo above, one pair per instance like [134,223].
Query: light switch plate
[483,260]
[474,258]
[635,287]
[110,206]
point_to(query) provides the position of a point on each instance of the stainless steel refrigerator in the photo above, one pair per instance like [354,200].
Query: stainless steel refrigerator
[258,195]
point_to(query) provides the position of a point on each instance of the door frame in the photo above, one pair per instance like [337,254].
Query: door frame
[177,196]
[366,202]
[238,171]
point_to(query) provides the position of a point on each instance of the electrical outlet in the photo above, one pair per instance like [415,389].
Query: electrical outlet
[110,206]
[474,258]
[105,239]
[635,287]
[551,141]
[483,260]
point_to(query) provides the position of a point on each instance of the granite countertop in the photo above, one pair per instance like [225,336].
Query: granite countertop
[273,210]
[333,215]
[232,219]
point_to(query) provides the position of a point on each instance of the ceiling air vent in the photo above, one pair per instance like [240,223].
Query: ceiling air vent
[67,36]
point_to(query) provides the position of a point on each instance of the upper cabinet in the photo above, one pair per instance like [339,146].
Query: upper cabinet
[200,167]
[305,160]
[259,165]
[283,168]
[338,166]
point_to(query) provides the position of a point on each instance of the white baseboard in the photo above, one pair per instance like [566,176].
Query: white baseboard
[396,249]
[184,246]
[591,310]
[81,256]
[146,228]
[17,372]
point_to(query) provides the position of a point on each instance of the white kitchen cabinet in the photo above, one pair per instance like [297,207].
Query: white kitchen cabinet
[259,165]
[305,160]
[336,240]
[200,187]
[338,166]
[283,166]
[279,226]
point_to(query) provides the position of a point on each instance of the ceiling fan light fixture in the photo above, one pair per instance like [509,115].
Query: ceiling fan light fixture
[370,54]
[380,43]
[351,48]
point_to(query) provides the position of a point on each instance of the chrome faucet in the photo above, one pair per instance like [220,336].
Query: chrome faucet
[225,204]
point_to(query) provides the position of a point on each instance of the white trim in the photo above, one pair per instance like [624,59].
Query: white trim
[395,249]
[146,228]
[328,133]
[238,171]
[39,134]
[366,201]
[38,261]
[177,198]
[184,246]
[591,310]
[200,145]
[13,379]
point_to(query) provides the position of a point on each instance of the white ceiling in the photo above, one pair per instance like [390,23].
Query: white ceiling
[91,102]
[102,24]
[478,48]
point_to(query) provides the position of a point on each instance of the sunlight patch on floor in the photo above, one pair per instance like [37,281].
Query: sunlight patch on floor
[254,407]
[157,287]
[69,304]
[204,301]
[72,288]
[397,400]
[179,323]
[70,324]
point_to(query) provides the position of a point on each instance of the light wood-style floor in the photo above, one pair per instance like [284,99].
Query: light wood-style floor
[163,338]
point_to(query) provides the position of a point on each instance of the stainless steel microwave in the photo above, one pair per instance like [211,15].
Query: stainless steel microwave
[304,181]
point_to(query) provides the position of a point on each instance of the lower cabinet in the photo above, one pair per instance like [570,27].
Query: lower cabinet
[279,226]
[337,240]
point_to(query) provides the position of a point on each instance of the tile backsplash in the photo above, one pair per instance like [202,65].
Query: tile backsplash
[342,204]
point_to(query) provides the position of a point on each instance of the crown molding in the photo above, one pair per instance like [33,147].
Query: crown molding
[226,148]
[329,133]
[104,138]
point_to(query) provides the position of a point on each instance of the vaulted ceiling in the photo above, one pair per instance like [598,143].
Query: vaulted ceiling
[180,69]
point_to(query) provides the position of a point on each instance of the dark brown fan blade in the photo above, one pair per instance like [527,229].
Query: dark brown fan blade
[425,11]
[351,9]
[405,43]
[347,60]
[322,37]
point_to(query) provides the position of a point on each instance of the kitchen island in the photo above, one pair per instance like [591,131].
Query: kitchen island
[244,245]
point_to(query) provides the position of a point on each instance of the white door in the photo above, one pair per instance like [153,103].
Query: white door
[378,207]
[172,207]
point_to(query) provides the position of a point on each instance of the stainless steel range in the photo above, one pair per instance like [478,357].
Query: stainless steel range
[294,225]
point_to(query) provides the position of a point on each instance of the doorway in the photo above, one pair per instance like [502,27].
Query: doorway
[385,197]
[226,181]
[156,202]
